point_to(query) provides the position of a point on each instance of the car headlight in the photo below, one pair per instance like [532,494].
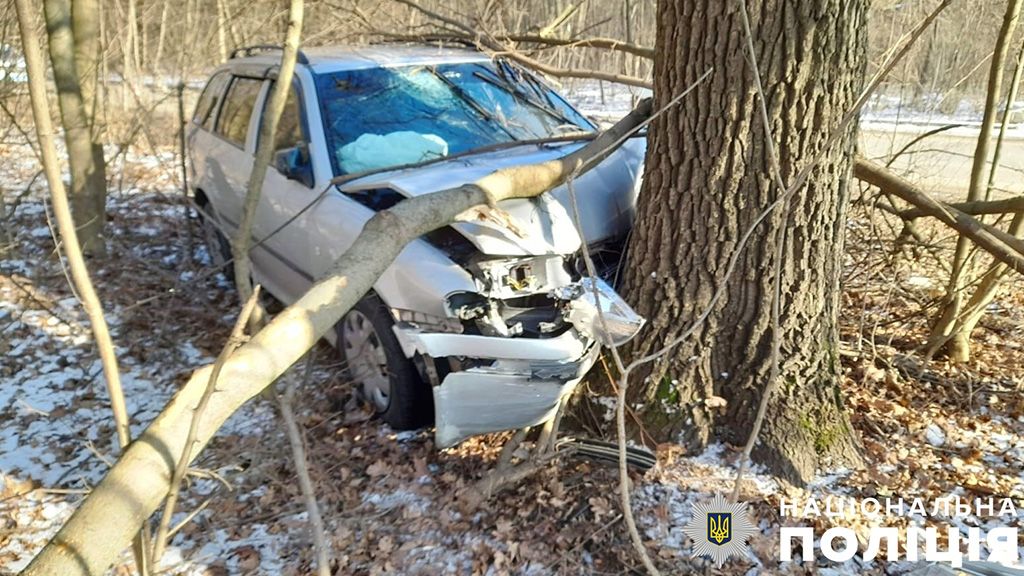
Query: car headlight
[591,295]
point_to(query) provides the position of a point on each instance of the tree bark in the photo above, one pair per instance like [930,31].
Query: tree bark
[88,188]
[85,29]
[104,523]
[707,176]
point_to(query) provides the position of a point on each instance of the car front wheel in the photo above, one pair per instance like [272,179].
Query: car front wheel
[386,379]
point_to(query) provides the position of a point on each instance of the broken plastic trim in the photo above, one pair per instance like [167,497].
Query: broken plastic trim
[620,323]
[427,322]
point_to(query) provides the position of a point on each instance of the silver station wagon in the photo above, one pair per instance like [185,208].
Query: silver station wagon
[477,327]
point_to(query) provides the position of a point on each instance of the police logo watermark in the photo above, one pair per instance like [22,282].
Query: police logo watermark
[719,529]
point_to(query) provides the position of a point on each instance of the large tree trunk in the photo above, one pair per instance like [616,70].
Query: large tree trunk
[707,178]
[88,189]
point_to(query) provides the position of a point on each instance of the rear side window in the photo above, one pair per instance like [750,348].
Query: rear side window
[235,113]
[208,100]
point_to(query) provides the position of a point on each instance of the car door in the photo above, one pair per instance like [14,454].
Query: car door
[234,148]
[229,156]
[288,192]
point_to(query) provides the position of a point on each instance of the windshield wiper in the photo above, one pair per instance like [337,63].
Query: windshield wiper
[502,81]
[461,94]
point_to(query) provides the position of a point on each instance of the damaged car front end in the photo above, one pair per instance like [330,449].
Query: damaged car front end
[517,356]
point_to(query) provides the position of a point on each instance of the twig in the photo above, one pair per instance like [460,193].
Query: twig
[242,240]
[316,522]
[237,333]
[919,138]
[202,506]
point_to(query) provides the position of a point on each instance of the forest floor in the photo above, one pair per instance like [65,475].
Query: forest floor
[389,498]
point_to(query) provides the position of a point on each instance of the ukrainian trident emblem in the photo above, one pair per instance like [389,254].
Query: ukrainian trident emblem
[719,529]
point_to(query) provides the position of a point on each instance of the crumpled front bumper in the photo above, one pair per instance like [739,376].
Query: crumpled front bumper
[515,382]
[522,387]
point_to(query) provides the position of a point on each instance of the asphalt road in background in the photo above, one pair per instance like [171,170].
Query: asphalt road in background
[941,164]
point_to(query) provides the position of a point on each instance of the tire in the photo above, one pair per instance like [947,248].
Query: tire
[385,378]
[216,244]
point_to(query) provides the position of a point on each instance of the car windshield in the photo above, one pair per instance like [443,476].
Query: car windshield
[382,117]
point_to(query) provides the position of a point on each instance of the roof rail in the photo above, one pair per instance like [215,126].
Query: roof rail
[429,39]
[258,48]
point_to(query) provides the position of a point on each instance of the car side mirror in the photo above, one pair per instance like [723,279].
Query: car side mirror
[293,163]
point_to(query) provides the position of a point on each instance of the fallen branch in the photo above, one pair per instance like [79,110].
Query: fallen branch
[489,44]
[976,208]
[612,44]
[497,480]
[1004,247]
[510,53]
[576,73]
[92,539]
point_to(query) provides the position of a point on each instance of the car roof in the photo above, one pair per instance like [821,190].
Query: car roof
[326,59]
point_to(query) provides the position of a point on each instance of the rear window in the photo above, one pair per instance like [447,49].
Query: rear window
[208,100]
[235,113]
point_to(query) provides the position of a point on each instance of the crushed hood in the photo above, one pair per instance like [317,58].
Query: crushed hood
[606,196]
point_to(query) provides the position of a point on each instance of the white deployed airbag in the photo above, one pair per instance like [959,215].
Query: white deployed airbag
[372,151]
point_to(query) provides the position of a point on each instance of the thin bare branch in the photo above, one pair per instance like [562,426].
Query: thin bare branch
[236,339]
[596,42]
[242,242]
[316,522]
